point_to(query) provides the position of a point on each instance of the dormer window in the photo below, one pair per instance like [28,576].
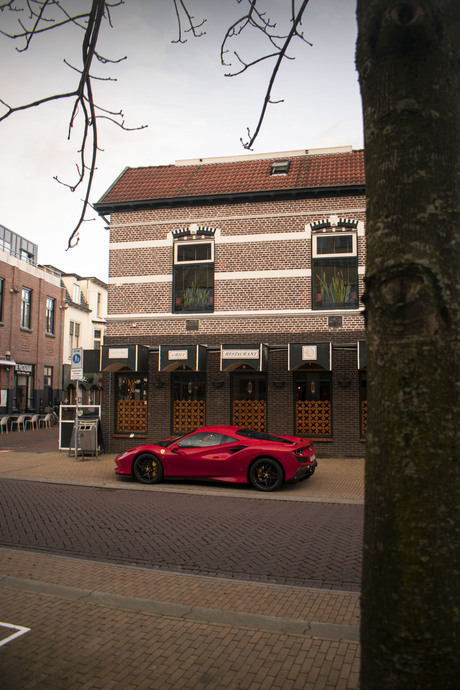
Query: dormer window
[280,168]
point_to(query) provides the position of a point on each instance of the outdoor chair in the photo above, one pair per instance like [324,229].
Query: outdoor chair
[33,421]
[46,420]
[4,423]
[17,422]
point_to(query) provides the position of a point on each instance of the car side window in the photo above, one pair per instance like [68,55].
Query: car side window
[204,439]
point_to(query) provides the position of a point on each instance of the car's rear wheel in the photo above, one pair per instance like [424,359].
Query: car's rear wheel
[148,469]
[266,474]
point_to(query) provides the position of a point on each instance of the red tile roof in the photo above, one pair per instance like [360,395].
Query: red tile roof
[240,176]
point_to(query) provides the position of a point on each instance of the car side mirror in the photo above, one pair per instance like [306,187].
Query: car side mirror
[174,448]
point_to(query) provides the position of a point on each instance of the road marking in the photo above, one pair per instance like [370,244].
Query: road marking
[20,630]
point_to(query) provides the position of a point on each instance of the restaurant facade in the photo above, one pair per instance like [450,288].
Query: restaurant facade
[234,296]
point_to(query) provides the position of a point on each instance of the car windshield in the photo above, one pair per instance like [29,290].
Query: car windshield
[262,436]
[169,441]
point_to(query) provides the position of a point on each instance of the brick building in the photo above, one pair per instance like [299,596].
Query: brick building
[234,297]
[31,321]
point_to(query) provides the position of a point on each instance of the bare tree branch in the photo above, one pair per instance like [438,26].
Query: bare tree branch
[35,17]
[181,9]
[47,15]
[259,21]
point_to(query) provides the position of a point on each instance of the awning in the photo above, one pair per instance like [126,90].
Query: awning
[185,357]
[301,354]
[7,363]
[362,354]
[124,357]
[91,362]
[234,357]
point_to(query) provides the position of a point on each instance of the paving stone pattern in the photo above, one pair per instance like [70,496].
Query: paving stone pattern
[285,542]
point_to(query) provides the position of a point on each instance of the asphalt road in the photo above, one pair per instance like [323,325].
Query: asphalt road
[285,542]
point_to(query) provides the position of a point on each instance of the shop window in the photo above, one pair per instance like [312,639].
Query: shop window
[249,401]
[363,403]
[193,277]
[26,301]
[24,387]
[189,402]
[313,403]
[50,314]
[334,271]
[48,387]
[131,404]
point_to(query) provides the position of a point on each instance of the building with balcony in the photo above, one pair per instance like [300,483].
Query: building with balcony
[31,328]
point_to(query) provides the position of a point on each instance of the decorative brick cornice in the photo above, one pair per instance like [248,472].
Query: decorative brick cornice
[193,230]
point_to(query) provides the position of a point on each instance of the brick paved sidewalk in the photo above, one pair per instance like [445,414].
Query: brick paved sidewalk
[102,626]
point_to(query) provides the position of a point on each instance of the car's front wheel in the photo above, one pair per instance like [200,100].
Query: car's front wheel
[148,469]
[266,474]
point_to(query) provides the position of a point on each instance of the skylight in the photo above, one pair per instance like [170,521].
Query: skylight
[279,168]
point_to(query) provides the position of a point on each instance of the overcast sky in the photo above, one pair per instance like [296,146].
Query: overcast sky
[192,110]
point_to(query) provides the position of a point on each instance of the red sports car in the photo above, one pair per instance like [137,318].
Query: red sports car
[223,453]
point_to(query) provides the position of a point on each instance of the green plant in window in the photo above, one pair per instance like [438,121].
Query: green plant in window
[335,291]
[196,297]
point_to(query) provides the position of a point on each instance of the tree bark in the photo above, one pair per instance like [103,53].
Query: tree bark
[408,57]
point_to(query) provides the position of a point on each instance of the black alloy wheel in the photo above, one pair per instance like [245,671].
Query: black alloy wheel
[148,469]
[266,474]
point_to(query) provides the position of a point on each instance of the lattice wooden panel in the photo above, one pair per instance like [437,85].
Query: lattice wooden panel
[250,413]
[313,417]
[132,416]
[188,415]
[364,417]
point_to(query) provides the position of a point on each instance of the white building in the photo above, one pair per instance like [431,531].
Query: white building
[85,303]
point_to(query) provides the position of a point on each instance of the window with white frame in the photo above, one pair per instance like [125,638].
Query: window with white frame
[334,270]
[193,276]
[76,293]
[74,335]
[97,339]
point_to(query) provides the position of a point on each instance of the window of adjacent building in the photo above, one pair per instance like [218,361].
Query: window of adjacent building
[313,403]
[131,404]
[1,298]
[193,276]
[48,386]
[76,293]
[97,340]
[334,271]
[74,335]
[98,304]
[26,300]
[50,314]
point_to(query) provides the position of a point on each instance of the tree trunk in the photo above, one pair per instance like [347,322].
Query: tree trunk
[408,57]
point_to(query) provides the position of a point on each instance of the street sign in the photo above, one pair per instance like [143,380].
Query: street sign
[76,366]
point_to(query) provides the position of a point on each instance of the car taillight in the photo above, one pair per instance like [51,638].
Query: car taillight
[299,452]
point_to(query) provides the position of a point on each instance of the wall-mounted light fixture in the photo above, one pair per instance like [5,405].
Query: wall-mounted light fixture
[14,291]
[278,383]
[158,383]
[344,383]
[218,383]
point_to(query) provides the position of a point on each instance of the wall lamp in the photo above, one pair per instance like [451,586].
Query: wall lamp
[278,383]
[158,383]
[344,383]
[218,383]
